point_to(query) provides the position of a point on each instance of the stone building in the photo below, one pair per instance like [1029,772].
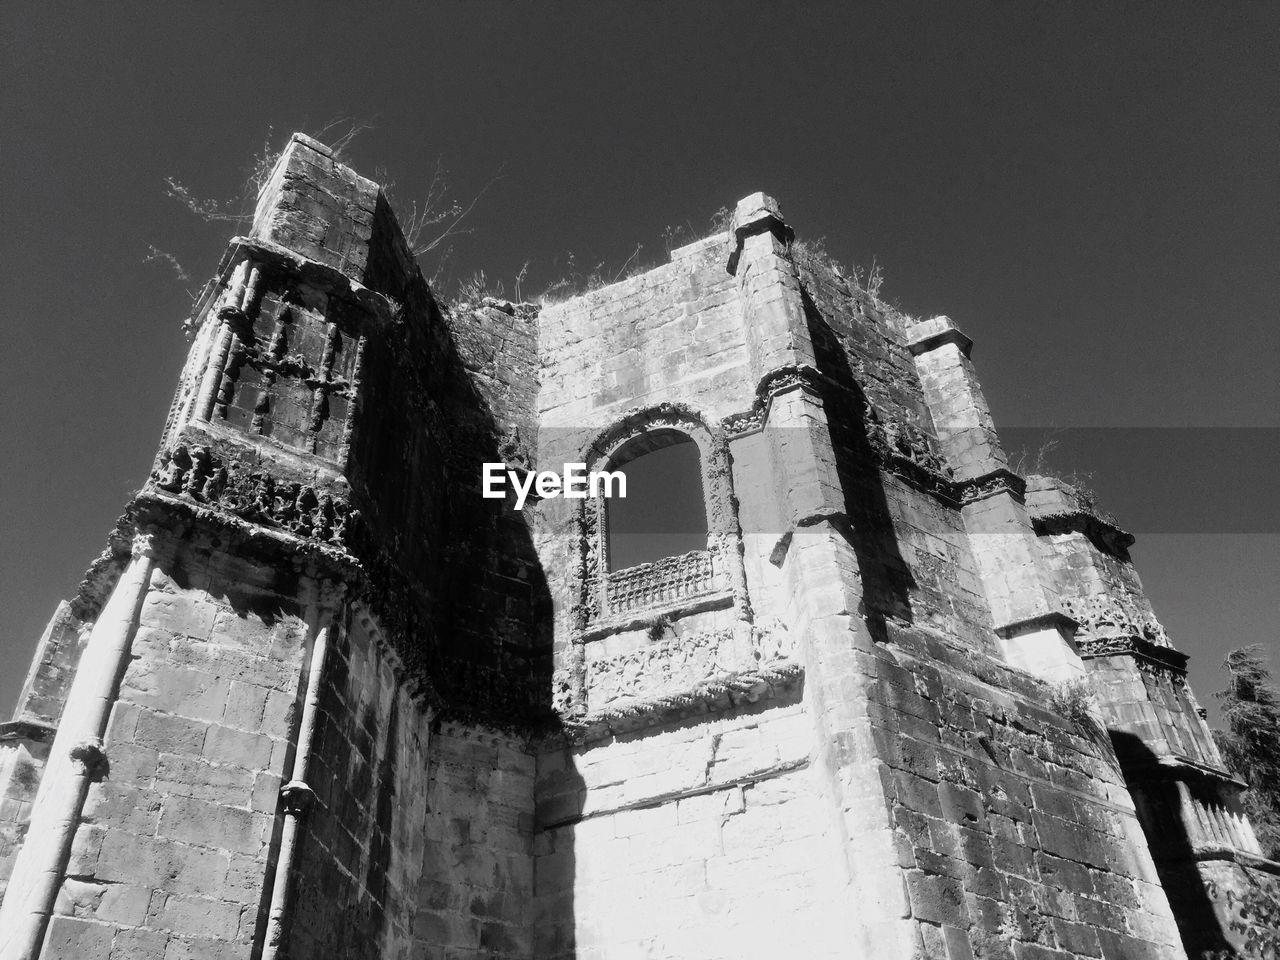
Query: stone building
[321,698]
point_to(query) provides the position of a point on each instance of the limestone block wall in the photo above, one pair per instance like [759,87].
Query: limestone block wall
[170,855]
[859,341]
[709,839]
[52,668]
[360,857]
[475,892]
[671,334]
[24,751]
[1010,830]
[1015,832]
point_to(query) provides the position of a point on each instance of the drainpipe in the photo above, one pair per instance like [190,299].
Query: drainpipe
[296,796]
[76,759]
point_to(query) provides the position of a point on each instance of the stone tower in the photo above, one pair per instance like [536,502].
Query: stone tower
[321,698]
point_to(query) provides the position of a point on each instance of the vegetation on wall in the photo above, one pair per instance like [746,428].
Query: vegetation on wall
[1250,739]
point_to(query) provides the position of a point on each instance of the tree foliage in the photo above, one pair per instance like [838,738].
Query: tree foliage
[1250,740]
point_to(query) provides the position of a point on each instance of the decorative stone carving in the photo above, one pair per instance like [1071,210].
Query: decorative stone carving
[296,798]
[1103,532]
[990,484]
[741,424]
[90,755]
[908,452]
[661,583]
[897,440]
[1103,618]
[681,664]
[296,508]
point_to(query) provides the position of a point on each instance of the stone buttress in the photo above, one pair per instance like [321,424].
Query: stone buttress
[320,698]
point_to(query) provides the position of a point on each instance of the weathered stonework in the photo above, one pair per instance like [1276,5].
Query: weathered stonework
[319,698]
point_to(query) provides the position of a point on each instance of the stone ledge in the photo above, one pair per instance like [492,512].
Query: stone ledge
[24,729]
[659,799]
[717,600]
[1154,654]
[773,681]
[936,332]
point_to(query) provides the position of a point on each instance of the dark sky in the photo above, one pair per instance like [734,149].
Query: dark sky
[1090,190]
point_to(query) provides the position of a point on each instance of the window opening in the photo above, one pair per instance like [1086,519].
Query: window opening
[664,512]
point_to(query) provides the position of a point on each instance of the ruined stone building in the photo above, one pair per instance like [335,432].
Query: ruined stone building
[321,698]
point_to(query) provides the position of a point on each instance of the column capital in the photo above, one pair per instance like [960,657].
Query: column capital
[926,335]
[754,215]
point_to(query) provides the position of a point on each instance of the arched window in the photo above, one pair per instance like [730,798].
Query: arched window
[664,512]
[672,543]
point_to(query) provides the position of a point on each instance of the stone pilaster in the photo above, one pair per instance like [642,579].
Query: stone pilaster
[1035,634]
[819,571]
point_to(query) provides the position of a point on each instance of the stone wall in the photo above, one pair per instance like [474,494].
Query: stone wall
[475,893]
[173,845]
[690,840]
[1015,830]
[359,862]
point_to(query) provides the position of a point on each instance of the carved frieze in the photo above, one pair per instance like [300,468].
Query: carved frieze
[1104,618]
[678,665]
[740,424]
[258,497]
[989,485]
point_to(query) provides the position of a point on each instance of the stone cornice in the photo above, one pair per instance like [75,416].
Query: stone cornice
[1100,531]
[719,693]
[933,341]
[31,730]
[1148,654]
[298,268]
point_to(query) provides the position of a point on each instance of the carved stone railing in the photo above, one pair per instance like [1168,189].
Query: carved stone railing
[664,582]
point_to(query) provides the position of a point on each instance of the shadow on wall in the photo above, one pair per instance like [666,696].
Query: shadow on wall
[558,802]
[887,581]
[1161,812]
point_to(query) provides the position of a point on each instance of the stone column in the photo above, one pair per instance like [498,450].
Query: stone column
[1035,634]
[238,301]
[76,759]
[819,570]
[296,795]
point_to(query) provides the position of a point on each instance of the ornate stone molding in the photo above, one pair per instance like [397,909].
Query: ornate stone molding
[773,383]
[768,682]
[647,586]
[296,508]
[1149,657]
[989,485]
[1104,618]
[684,661]
[91,756]
[1101,531]
[742,424]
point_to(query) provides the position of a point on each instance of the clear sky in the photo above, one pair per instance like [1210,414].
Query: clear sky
[1089,189]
